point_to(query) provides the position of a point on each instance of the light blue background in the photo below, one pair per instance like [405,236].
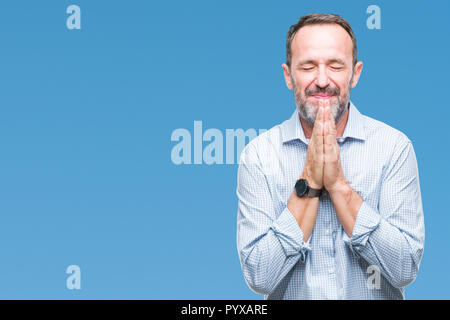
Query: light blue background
[86,117]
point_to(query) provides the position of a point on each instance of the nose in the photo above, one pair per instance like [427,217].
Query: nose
[322,79]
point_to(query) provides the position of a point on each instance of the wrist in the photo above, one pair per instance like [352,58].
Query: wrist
[341,189]
[297,205]
[303,188]
[311,182]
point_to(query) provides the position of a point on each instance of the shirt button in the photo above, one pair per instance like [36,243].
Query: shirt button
[340,139]
[327,231]
[331,270]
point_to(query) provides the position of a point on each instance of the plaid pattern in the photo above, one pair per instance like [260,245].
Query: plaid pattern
[380,164]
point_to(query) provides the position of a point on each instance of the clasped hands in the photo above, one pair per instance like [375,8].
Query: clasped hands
[323,164]
[323,169]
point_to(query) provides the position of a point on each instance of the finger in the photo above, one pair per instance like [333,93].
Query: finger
[326,119]
[331,119]
[329,126]
[329,130]
[317,134]
[315,147]
[323,104]
[329,145]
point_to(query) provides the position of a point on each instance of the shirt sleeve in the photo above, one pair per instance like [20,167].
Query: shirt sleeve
[269,245]
[392,236]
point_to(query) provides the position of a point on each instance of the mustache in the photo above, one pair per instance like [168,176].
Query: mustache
[331,91]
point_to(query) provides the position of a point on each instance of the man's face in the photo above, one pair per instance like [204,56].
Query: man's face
[321,69]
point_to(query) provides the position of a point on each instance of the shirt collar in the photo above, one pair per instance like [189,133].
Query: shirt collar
[291,129]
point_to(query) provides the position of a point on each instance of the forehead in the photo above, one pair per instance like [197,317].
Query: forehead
[322,42]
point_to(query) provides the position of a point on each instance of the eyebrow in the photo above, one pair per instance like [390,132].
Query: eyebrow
[309,61]
[336,61]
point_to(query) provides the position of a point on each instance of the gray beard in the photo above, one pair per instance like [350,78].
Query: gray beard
[308,112]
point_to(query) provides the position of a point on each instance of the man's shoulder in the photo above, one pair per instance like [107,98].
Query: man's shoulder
[383,133]
[264,142]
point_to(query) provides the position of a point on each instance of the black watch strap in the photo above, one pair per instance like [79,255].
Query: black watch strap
[313,192]
[303,189]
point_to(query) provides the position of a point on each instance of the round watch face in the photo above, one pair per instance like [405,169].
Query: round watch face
[301,187]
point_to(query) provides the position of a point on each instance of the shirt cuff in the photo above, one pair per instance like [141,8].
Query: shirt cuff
[367,220]
[290,235]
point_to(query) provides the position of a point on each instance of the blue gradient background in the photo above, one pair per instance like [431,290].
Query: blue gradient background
[86,117]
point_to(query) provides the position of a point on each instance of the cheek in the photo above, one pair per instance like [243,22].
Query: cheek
[342,82]
[303,81]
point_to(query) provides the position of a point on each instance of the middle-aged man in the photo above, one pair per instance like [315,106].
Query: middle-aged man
[329,200]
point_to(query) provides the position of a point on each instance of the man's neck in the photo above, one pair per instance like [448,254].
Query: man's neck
[340,126]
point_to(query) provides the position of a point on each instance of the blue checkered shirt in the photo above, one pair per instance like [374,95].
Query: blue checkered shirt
[384,252]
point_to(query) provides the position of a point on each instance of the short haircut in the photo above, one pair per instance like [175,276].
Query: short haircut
[317,19]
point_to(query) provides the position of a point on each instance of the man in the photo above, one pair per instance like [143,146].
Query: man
[329,200]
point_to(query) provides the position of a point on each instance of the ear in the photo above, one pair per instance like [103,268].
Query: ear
[356,73]
[287,76]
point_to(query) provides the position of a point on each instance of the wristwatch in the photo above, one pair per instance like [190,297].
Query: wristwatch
[302,188]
